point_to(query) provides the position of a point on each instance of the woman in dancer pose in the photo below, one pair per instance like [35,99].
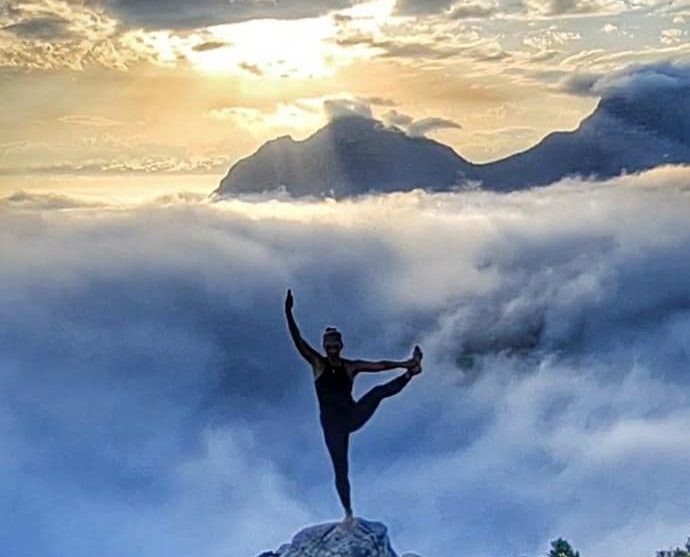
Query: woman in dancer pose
[339,413]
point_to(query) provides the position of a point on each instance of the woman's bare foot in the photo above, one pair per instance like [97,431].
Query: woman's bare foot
[416,355]
[348,521]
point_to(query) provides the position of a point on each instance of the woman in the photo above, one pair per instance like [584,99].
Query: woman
[339,414]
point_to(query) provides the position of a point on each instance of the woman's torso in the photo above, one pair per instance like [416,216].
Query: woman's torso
[333,389]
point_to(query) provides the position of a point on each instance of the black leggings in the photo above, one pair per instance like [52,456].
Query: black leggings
[337,431]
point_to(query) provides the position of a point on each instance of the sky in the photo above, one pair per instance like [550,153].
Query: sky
[151,401]
[97,90]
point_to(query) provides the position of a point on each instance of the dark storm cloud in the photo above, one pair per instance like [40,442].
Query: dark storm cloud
[180,14]
[41,28]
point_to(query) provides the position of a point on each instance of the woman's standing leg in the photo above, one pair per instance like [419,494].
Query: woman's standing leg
[337,441]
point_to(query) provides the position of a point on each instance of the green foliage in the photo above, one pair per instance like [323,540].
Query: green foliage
[561,548]
[679,552]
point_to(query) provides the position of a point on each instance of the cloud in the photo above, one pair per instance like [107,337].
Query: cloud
[209,45]
[545,39]
[7,147]
[180,14]
[416,7]
[634,81]
[362,106]
[510,8]
[130,164]
[25,199]
[336,108]
[672,35]
[379,101]
[464,10]
[397,48]
[562,7]
[64,34]
[45,28]
[302,116]
[151,402]
[416,128]
[251,68]
[425,125]
[89,120]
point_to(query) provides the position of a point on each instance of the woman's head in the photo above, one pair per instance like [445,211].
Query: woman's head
[332,341]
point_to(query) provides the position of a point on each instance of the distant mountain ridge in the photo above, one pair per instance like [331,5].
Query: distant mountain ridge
[630,130]
[345,158]
[624,134]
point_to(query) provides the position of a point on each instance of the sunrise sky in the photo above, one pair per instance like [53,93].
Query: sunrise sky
[152,402]
[149,91]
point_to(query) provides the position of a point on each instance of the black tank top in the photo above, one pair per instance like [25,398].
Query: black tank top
[334,390]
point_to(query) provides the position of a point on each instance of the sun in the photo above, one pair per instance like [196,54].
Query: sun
[270,48]
[277,48]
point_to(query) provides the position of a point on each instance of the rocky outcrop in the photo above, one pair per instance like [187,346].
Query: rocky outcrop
[365,539]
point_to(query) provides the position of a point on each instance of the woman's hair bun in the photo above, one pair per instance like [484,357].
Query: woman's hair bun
[332,332]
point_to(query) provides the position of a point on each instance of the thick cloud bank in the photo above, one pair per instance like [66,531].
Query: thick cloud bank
[151,403]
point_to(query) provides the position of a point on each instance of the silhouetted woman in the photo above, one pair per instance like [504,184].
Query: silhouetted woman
[339,414]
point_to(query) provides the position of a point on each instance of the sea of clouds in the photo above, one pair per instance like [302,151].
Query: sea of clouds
[152,404]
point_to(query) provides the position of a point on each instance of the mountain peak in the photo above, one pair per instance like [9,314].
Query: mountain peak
[366,537]
[350,155]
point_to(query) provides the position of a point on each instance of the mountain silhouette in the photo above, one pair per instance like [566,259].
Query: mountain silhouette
[632,128]
[347,157]
[625,133]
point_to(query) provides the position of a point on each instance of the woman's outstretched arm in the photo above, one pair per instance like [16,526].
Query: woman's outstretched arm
[383,365]
[307,352]
[379,365]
